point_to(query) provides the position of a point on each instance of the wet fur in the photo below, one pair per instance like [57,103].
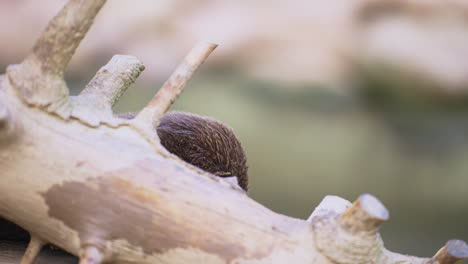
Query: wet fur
[203,142]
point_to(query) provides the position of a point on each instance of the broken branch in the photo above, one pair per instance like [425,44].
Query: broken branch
[34,247]
[113,79]
[455,251]
[39,78]
[366,214]
[150,116]
[94,104]
[55,47]
[351,237]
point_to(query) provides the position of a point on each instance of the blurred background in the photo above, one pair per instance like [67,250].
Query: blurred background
[327,96]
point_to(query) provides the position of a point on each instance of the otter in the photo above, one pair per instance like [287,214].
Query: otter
[203,142]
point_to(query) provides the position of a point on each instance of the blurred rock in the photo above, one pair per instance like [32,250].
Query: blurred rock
[300,42]
[425,41]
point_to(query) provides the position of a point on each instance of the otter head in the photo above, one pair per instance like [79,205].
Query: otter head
[206,143]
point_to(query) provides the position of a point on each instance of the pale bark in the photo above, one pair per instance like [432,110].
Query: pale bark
[94,105]
[39,78]
[149,117]
[105,190]
[32,251]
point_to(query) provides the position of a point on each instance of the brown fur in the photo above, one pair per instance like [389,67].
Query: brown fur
[203,142]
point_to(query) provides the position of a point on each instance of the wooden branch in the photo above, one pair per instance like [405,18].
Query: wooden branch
[455,251]
[112,80]
[366,215]
[150,116]
[39,79]
[33,249]
[351,237]
[55,47]
[94,104]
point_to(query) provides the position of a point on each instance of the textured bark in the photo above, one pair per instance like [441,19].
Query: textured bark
[103,188]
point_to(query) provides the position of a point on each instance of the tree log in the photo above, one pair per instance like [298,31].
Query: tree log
[103,188]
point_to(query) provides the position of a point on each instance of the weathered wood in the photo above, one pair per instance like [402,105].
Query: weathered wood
[455,251]
[11,252]
[90,255]
[94,104]
[113,79]
[32,251]
[39,78]
[149,116]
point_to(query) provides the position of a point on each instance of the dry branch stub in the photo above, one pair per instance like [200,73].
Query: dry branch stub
[455,251]
[39,78]
[150,116]
[34,247]
[366,214]
[55,47]
[113,79]
[351,237]
[94,104]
